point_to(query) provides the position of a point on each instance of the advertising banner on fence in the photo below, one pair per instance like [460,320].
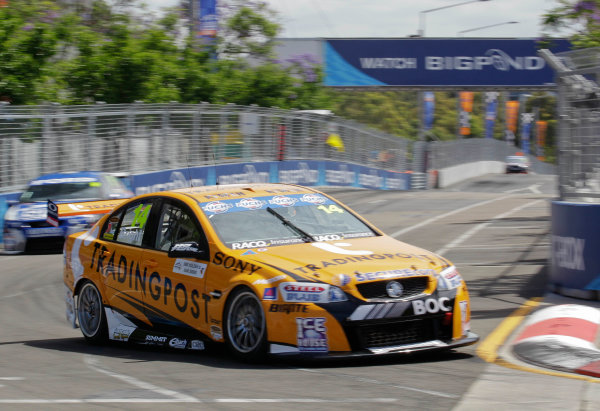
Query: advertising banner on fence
[526,122]
[437,62]
[512,117]
[491,104]
[306,173]
[466,108]
[575,243]
[208,20]
[541,128]
[428,109]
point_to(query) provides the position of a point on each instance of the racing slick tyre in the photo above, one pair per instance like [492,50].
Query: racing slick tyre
[90,314]
[245,326]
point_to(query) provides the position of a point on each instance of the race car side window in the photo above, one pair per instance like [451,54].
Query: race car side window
[110,229]
[176,224]
[133,223]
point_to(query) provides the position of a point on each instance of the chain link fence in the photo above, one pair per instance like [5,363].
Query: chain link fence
[445,154]
[579,129]
[137,138]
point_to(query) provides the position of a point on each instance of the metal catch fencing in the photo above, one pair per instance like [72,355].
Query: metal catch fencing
[451,153]
[579,127]
[137,138]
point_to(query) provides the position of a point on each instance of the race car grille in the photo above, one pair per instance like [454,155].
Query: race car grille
[412,286]
[398,333]
[39,224]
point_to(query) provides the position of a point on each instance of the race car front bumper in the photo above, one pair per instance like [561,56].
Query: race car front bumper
[433,345]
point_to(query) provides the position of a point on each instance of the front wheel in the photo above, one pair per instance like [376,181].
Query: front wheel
[245,326]
[90,313]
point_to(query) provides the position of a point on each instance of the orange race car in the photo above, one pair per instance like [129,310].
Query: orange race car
[266,269]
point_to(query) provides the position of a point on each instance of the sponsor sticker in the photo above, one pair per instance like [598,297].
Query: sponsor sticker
[452,277]
[464,315]
[288,308]
[311,334]
[156,339]
[313,199]
[197,345]
[122,333]
[187,267]
[385,275]
[177,343]
[250,203]
[217,207]
[249,244]
[431,305]
[270,293]
[283,201]
[304,292]
[216,332]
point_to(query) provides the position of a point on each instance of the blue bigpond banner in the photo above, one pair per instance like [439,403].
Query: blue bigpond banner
[575,245]
[438,62]
[306,173]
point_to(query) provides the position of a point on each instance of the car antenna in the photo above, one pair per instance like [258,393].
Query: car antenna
[215,167]
[189,170]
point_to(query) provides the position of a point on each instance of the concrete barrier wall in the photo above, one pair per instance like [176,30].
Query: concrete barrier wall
[455,174]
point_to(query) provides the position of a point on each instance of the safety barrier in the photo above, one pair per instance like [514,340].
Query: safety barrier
[575,263]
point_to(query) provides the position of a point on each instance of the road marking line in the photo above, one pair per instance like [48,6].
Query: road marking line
[376,382]
[93,363]
[449,213]
[533,188]
[12,378]
[173,400]
[4,297]
[473,230]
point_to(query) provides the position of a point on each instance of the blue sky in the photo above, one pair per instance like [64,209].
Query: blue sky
[400,18]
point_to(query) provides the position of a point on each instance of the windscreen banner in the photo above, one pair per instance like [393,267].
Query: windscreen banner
[479,62]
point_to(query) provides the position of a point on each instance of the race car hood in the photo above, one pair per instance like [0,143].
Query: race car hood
[340,262]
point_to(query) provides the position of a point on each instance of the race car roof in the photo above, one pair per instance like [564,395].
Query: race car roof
[57,178]
[211,193]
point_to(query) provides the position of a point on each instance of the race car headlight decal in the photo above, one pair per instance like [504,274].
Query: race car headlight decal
[449,279]
[11,213]
[336,294]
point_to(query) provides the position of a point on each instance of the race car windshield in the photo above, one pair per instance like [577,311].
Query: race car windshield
[280,220]
[62,191]
[516,159]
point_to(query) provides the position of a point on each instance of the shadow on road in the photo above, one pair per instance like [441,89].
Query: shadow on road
[217,356]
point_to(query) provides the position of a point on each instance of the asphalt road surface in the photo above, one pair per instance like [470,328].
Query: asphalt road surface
[494,228]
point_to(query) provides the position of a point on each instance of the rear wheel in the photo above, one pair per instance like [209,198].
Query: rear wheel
[245,326]
[90,313]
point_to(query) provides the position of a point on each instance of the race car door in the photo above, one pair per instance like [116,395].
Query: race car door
[175,285]
[119,258]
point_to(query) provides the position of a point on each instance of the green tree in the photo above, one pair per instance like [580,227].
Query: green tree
[30,36]
[581,18]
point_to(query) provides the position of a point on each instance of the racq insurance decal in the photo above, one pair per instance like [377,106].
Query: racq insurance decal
[257,203]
